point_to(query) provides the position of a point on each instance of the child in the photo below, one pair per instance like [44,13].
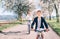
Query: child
[39,20]
[29,19]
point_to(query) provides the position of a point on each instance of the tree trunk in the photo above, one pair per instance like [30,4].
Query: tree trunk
[49,16]
[57,15]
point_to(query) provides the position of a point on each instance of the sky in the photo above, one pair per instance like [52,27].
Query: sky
[6,12]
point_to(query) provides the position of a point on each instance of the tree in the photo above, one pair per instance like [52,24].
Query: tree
[48,5]
[50,9]
[52,4]
[56,5]
[57,15]
[18,6]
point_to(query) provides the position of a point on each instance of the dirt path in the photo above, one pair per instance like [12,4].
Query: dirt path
[19,32]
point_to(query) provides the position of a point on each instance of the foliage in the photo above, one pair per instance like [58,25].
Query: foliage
[51,4]
[18,6]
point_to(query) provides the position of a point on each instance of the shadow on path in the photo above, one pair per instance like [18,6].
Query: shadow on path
[14,33]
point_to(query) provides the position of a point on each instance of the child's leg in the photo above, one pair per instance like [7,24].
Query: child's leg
[38,35]
[42,35]
[29,27]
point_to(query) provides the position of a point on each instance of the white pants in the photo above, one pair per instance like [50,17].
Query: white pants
[39,33]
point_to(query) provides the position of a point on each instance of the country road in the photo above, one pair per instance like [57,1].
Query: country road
[19,32]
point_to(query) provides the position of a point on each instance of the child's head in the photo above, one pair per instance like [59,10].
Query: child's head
[39,13]
[28,12]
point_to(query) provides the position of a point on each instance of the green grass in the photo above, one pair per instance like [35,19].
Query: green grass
[55,26]
[20,22]
[2,27]
[6,26]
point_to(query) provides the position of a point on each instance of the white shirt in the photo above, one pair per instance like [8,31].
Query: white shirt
[39,23]
[29,17]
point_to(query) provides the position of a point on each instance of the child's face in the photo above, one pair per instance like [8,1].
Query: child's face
[29,13]
[39,14]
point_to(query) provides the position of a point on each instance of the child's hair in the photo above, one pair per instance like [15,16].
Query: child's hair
[28,11]
[39,11]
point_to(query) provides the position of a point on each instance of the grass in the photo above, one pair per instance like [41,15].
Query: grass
[2,27]
[20,22]
[6,26]
[55,26]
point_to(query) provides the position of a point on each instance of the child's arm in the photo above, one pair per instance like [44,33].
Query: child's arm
[45,23]
[32,24]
